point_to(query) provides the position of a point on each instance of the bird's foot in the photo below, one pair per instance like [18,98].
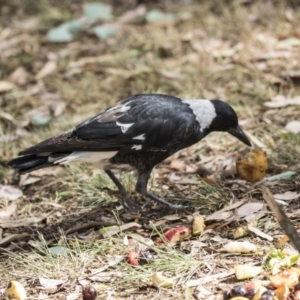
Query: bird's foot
[126,201]
[168,204]
[110,191]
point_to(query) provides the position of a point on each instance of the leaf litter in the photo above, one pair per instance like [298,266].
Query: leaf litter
[44,87]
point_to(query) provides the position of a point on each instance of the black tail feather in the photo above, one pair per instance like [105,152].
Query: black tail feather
[29,163]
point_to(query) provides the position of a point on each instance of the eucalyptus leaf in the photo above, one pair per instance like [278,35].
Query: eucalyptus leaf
[157,15]
[97,11]
[103,32]
[73,26]
[60,34]
[284,175]
[59,250]
[64,32]
[40,120]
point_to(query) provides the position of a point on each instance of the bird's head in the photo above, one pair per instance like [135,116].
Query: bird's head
[227,120]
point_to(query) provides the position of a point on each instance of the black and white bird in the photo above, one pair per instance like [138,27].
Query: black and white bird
[140,132]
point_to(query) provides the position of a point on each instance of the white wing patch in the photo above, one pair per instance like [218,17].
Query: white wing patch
[137,147]
[204,111]
[87,156]
[124,127]
[123,107]
[140,137]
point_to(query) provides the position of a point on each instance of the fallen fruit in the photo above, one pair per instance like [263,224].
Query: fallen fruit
[253,166]
[133,257]
[238,290]
[15,290]
[146,257]
[198,225]
[252,287]
[246,271]
[159,280]
[240,247]
[89,293]
[258,294]
[177,234]
[284,277]
[282,293]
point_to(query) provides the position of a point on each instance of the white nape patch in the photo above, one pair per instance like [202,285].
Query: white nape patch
[204,111]
[139,137]
[87,156]
[137,147]
[124,127]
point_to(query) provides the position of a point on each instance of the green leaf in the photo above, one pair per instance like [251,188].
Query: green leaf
[157,15]
[64,32]
[59,250]
[107,229]
[96,11]
[60,34]
[73,26]
[103,32]
[40,120]
[284,175]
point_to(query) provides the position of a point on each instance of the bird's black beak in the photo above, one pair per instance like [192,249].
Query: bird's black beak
[240,134]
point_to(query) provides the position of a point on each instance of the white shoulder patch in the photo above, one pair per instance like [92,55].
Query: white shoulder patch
[204,111]
[139,137]
[124,126]
[137,147]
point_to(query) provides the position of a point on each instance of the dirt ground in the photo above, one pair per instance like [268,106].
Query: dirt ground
[51,221]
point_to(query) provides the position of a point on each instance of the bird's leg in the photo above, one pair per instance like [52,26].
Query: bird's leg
[126,201]
[141,187]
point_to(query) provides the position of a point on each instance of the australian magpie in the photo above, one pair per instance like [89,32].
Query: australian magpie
[140,132]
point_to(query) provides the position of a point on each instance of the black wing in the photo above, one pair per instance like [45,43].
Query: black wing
[140,123]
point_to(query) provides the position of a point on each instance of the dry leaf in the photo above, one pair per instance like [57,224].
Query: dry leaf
[249,208]
[51,283]
[120,229]
[287,196]
[293,127]
[8,211]
[281,101]
[20,76]
[54,171]
[259,233]
[13,237]
[23,221]
[223,213]
[133,15]
[10,193]
[48,69]
[6,86]
[208,278]
[177,164]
